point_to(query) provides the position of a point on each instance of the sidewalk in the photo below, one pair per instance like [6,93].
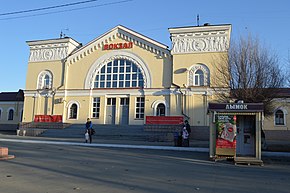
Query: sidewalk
[195,145]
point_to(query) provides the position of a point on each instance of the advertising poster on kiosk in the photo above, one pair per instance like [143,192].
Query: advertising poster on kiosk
[226,135]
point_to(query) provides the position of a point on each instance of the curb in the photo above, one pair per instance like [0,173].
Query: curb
[194,149]
[189,149]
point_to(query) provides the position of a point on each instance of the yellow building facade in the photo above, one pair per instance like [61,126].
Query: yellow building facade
[123,76]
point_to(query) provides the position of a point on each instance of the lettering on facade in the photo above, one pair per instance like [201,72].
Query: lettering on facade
[116,46]
[48,54]
[236,107]
[193,44]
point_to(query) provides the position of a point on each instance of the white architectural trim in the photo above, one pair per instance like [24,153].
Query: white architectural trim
[68,106]
[200,39]
[50,50]
[40,79]
[103,60]
[192,70]
[10,108]
[285,113]
[156,103]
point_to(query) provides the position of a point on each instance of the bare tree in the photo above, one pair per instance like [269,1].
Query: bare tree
[251,72]
[288,69]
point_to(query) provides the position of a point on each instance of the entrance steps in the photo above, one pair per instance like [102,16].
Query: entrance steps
[111,132]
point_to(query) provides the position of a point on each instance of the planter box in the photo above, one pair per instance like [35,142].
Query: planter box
[3,151]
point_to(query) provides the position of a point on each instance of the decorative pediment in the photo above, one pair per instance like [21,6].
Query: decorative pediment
[104,42]
[200,39]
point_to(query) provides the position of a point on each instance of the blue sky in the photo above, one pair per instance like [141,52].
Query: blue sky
[269,20]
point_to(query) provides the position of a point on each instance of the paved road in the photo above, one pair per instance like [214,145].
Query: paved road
[50,168]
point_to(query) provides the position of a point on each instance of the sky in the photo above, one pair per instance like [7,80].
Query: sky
[266,20]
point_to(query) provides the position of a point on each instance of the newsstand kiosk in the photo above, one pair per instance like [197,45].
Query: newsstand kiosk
[235,132]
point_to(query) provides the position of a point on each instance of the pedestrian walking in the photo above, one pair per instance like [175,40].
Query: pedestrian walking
[185,135]
[89,128]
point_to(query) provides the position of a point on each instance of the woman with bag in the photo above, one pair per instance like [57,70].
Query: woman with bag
[89,128]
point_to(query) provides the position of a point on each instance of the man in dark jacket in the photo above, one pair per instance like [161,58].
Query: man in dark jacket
[187,126]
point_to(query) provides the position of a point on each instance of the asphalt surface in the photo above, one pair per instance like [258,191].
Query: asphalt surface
[50,166]
[195,145]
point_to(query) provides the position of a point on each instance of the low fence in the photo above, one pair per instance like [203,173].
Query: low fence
[164,120]
[43,125]
[165,125]
[48,118]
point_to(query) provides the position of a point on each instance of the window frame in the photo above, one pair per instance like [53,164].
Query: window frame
[96,107]
[279,121]
[119,73]
[198,79]
[200,72]
[45,80]
[158,109]
[140,108]
[70,112]
[10,115]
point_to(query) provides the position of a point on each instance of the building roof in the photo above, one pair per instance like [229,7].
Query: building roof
[122,33]
[283,92]
[12,96]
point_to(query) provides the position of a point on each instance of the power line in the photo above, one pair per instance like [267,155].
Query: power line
[46,8]
[68,10]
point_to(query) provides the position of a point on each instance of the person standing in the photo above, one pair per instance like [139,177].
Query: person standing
[185,135]
[187,126]
[89,128]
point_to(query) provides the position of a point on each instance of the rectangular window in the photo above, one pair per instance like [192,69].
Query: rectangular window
[124,101]
[111,101]
[139,109]
[96,107]
[115,84]
[109,69]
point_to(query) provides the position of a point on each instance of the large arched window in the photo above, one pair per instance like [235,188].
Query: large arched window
[119,73]
[160,110]
[73,111]
[10,115]
[279,117]
[199,75]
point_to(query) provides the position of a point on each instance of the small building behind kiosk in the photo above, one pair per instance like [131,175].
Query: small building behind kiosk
[235,131]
